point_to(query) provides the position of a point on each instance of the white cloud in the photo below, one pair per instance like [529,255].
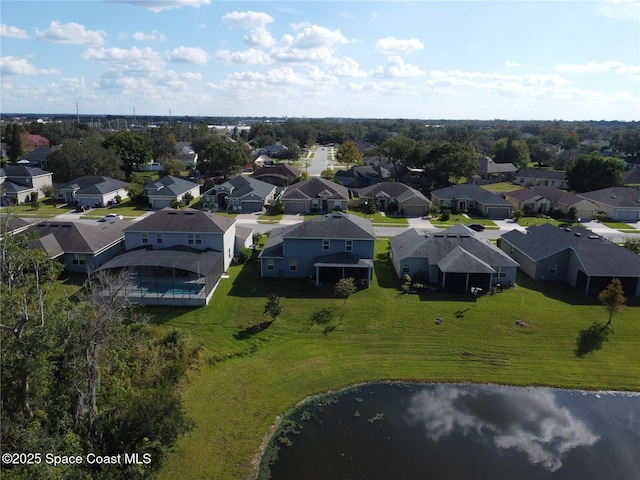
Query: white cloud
[12,32]
[620,10]
[603,67]
[397,68]
[247,57]
[20,66]
[248,19]
[288,54]
[315,36]
[532,424]
[511,64]
[397,46]
[145,61]
[71,34]
[161,5]
[193,55]
[345,67]
[259,37]
[148,37]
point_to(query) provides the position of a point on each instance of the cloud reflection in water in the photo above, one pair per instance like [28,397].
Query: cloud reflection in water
[529,421]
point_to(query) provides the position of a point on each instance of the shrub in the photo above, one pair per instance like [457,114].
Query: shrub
[445,215]
[243,255]
[601,216]
[187,198]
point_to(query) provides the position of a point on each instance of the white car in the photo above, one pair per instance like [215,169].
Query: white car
[111,216]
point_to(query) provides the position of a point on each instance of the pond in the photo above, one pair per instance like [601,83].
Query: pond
[438,431]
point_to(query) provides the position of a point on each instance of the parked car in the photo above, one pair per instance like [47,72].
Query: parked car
[82,208]
[111,216]
[476,226]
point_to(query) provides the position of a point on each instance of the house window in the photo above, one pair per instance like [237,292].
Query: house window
[326,245]
[145,237]
[78,259]
[553,268]
[406,269]
[348,245]
[501,272]
[158,238]
[270,263]
[293,265]
[194,238]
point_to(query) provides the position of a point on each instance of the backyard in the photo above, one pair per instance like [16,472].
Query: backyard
[252,370]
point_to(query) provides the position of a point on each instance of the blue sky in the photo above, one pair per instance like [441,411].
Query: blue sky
[509,60]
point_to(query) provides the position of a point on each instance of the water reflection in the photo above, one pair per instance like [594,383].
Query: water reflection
[534,424]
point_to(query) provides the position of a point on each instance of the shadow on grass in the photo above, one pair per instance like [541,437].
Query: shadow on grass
[385,274]
[591,339]
[324,317]
[249,332]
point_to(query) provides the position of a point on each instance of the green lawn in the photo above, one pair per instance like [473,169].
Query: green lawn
[249,377]
[46,209]
[126,208]
[620,226]
[267,218]
[529,221]
[456,219]
[501,187]
[381,219]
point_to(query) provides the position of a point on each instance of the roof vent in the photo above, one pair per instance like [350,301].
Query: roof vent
[567,229]
[577,234]
[336,215]
[594,237]
[188,213]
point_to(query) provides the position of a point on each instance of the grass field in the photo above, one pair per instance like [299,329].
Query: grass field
[501,187]
[456,219]
[126,208]
[47,209]
[252,372]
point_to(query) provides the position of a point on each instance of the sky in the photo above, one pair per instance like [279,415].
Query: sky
[510,60]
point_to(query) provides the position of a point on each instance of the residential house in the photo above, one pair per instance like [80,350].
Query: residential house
[92,191]
[396,197]
[359,176]
[631,178]
[263,160]
[164,191]
[455,259]
[178,257]
[279,175]
[470,197]
[37,158]
[79,246]
[491,172]
[240,194]
[272,151]
[575,256]
[621,204]
[548,178]
[323,249]
[20,182]
[186,155]
[315,195]
[12,225]
[538,199]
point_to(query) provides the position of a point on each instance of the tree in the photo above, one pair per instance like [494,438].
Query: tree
[221,159]
[538,152]
[86,156]
[594,172]
[132,149]
[345,287]
[273,308]
[328,174]
[162,142]
[349,154]
[626,141]
[612,298]
[397,149]
[173,167]
[507,150]
[14,141]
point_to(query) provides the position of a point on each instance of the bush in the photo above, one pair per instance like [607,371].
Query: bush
[445,215]
[244,255]
[601,217]
[187,198]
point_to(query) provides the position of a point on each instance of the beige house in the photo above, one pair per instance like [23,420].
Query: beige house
[539,199]
[20,182]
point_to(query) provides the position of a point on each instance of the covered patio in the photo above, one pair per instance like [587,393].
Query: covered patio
[461,270]
[331,268]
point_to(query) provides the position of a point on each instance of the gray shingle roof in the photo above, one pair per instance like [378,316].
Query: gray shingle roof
[80,237]
[21,171]
[459,260]
[598,256]
[308,189]
[436,246]
[471,192]
[543,174]
[243,187]
[488,166]
[169,187]
[187,220]
[393,189]
[94,184]
[615,196]
[554,194]
[336,225]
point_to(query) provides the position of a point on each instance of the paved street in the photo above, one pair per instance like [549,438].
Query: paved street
[320,161]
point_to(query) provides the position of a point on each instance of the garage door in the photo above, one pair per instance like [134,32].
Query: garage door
[627,216]
[414,210]
[295,207]
[251,207]
[497,212]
